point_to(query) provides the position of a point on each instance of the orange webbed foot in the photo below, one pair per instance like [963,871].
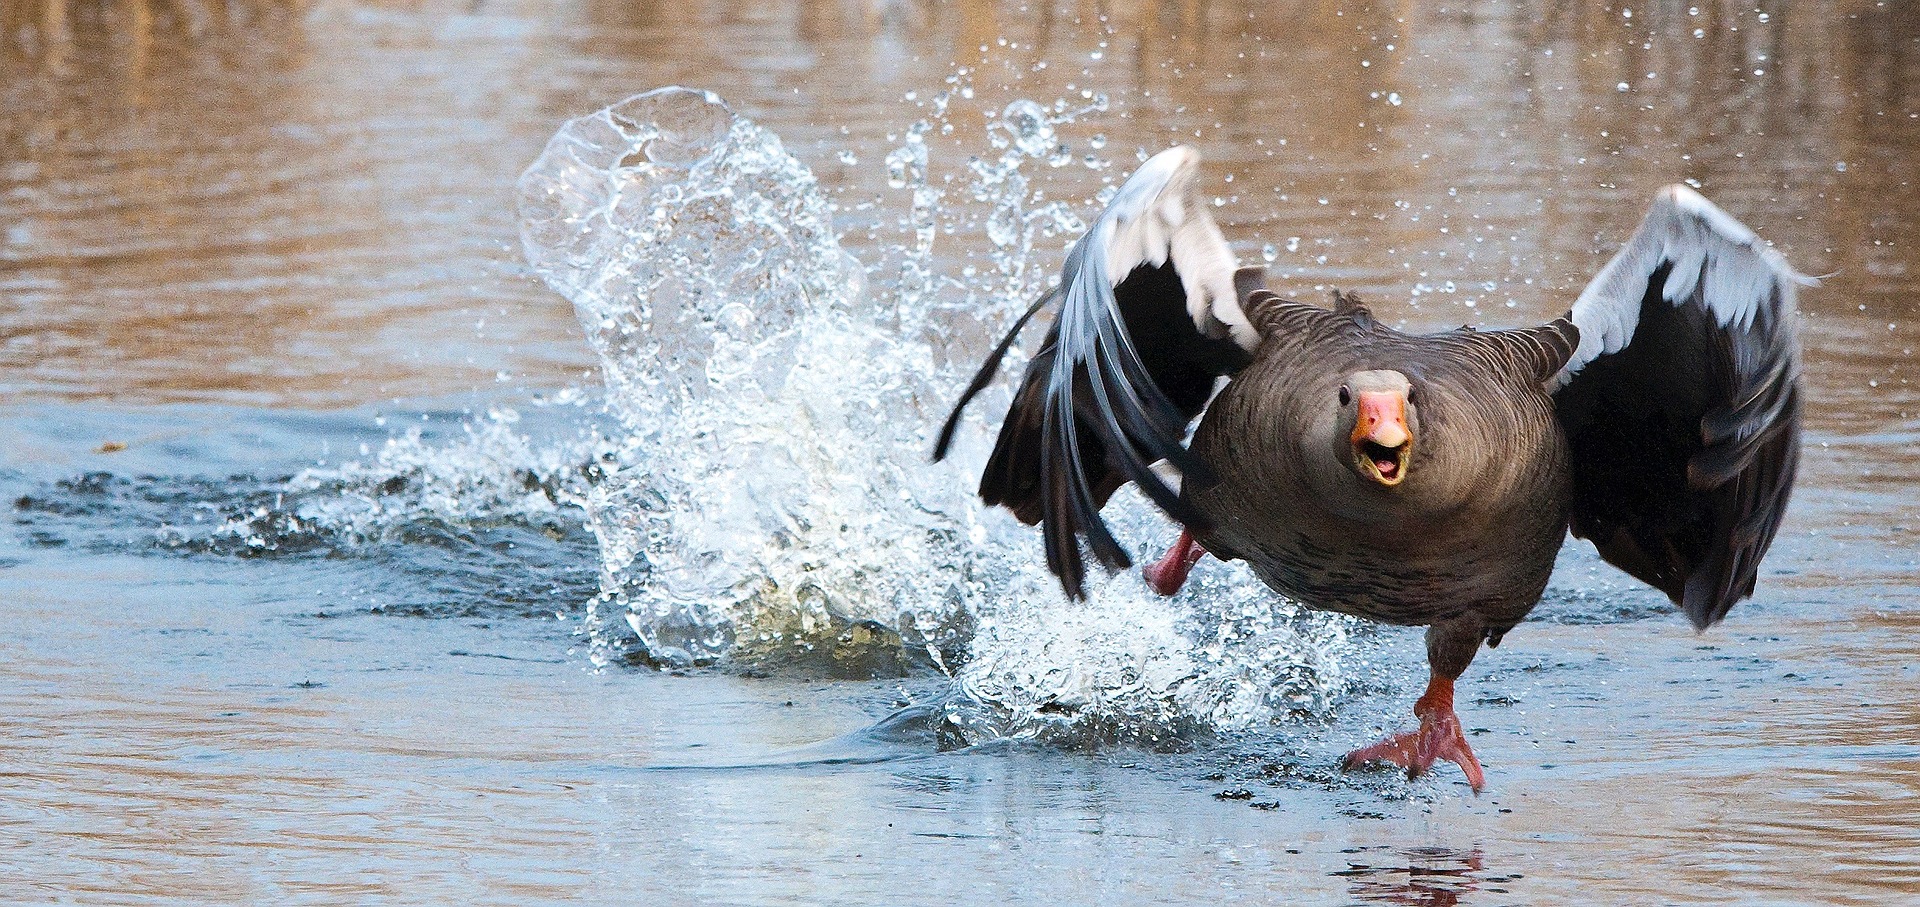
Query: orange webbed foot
[1438,738]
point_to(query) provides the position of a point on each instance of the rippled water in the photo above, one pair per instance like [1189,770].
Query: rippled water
[313,482]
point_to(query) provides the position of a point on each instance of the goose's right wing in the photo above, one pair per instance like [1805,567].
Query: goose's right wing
[1149,316]
[1682,404]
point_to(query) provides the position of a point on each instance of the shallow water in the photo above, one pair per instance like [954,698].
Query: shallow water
[263,653]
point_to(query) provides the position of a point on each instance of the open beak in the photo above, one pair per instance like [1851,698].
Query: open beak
[1381,440]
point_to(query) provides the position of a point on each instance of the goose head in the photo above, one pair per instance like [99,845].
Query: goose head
[1376,422]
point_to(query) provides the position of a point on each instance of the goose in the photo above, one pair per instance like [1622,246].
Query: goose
[1414,480]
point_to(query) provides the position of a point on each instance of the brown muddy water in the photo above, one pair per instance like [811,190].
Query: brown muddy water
[268,644]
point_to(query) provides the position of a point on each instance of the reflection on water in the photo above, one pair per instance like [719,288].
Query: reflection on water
[1423,876]
[309,204]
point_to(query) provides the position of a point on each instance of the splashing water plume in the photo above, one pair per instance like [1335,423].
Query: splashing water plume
[772,494]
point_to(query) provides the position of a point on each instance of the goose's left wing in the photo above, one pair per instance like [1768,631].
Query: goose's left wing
[1149,316]
[1682,404]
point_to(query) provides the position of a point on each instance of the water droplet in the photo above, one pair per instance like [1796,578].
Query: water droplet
[1393,97]
[1003,227]
[907,164]
[1031,129]
[897,163]
[1269,253]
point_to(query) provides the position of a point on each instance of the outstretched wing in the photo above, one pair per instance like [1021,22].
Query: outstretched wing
[1149,317]
[1682,404]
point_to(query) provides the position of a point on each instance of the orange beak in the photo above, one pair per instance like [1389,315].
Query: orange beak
[1381,440]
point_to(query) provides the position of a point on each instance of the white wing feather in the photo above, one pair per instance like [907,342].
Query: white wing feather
[1698,238]
[1158,215]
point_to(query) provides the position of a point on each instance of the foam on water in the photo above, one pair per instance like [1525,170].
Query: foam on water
[490,472]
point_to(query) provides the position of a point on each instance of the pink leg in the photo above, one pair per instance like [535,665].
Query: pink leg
[1167,576]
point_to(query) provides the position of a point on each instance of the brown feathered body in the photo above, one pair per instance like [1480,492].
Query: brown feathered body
[1468,538]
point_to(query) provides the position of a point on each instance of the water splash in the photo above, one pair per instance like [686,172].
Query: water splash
[1127,666]
[771,499]
[453,516]
[1003,210]
[771,493]
[490,473]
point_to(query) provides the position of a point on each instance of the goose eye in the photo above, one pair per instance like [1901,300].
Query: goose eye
[1346,396]
[1409,395]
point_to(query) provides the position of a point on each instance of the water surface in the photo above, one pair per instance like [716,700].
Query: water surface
[242,241]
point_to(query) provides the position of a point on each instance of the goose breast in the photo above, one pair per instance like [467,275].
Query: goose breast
[1476,524]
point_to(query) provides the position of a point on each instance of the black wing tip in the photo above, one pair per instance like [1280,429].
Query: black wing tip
[1706,612]
[943,444]
[1716,586]
[1073,574]
[984,376]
